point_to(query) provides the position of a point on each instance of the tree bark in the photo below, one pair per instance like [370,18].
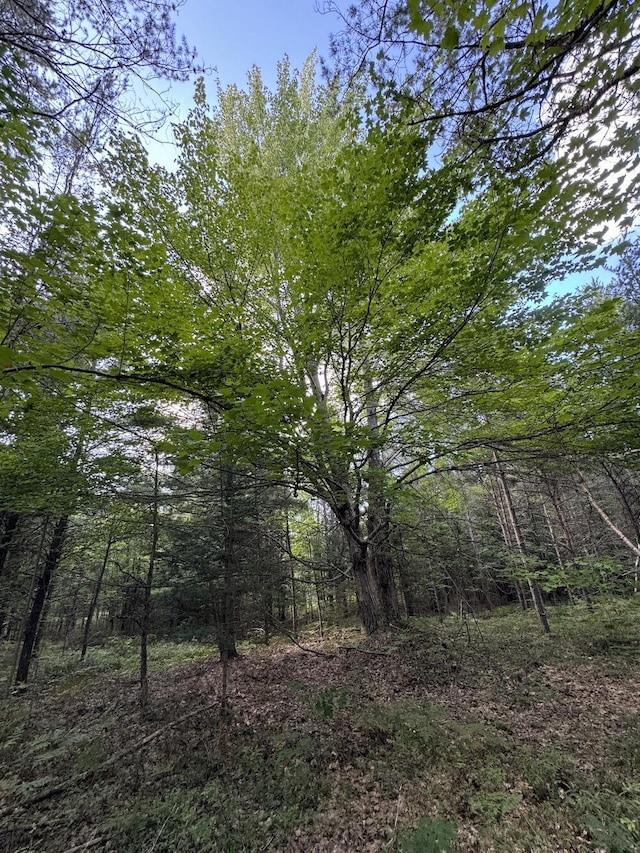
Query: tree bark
[317,584]
[366,589]
[381,563]
[146,595]
[536,596]
[405,582]
[603,515]
[43,591]
[501,513]
[226,631]
[379,519]
[94,598]
[10,526]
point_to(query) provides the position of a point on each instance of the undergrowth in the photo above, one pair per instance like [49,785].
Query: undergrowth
[476,734]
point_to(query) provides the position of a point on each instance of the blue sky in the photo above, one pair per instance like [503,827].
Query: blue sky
[232,37]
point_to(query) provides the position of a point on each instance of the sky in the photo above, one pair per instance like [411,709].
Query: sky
[231,36]
[234,36]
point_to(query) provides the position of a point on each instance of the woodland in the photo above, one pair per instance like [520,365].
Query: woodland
[319,507]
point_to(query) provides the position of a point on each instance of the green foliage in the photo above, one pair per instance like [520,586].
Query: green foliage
[116,654]
[493,77]
[491,806]
[413,729]
[330,701]
[430,836]
[616,837]
[274,783]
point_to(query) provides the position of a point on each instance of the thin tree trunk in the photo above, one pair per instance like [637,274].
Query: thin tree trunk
[146,596]
[292,578]
[501,513]
[10,526]
[405,584]
[562,517]
[43,591]
[511,514]
[603,515]
[94,597]
[474,544]
[226,631]
[556,547]
[633,517]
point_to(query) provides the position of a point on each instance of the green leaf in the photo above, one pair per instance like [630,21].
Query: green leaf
[451,37]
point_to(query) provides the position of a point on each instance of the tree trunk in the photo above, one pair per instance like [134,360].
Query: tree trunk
[501,514]
[317,584]
[379,552]
[10,526]
[379,520]
[146,595]
[43,591]
[603,515]
[292,579]
[632,516]
[405,582]
[366,591]
[368,605]
[226,629]
[94,598]
[517,535]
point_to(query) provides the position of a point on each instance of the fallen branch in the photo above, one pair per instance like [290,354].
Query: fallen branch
[307,650]
[364,651]
[299,645]
[106,765]
[603,515]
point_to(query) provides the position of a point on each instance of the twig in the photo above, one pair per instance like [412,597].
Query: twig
[161,830]
[96,771]
[395,822]
[293,640]
[93,842]
[364,651]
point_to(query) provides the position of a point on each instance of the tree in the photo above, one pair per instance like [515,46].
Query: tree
[514,82]
[342,288]
[62,56]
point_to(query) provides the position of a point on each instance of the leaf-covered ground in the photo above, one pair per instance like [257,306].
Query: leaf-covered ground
[468,735]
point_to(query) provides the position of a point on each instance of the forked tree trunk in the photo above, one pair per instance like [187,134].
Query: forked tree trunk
[43,589]
[379,520]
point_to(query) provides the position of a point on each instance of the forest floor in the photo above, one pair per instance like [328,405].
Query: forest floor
[476,734]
